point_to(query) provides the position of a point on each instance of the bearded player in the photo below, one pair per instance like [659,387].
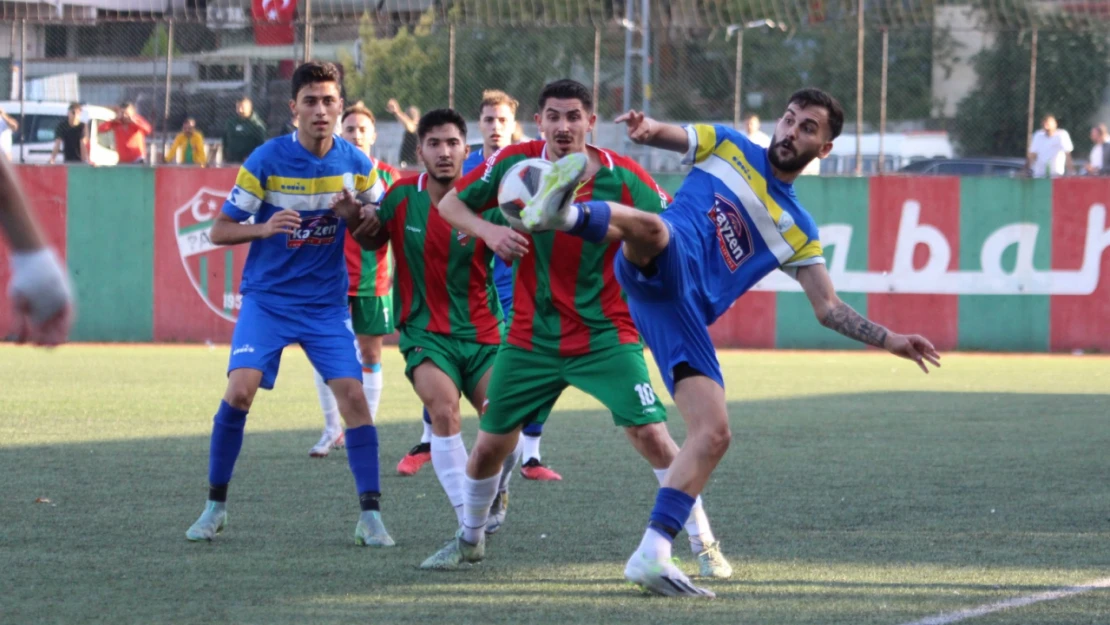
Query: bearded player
[734,220]
[570,325]
[369,295]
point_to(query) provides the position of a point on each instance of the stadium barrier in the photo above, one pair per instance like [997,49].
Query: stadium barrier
[973,263]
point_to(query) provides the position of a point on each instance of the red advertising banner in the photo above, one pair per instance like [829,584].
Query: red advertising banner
[914,226]
[1080,237]
[196,284]
[45,188]
[749,323]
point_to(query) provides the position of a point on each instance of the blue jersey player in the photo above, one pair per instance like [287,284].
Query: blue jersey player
[734,220]
[295,287]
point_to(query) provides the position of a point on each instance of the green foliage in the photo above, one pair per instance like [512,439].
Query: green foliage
[411,66]
[1072,72]
[159,43]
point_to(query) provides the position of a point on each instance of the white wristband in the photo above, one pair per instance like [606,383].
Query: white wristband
[39,279]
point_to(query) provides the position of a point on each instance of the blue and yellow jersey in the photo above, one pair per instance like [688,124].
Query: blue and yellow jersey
[306,267]
[749,223]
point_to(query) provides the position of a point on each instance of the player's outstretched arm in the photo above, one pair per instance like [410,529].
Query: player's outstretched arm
[647,131]
[504,241]
[227,231]
[40,291]
[834,314]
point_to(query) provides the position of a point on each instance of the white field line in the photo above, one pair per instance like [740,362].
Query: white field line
[1008,604]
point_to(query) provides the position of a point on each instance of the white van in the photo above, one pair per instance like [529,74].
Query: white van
[34,141]
[899,150]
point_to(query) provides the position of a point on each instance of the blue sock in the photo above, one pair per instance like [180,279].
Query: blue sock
[362,456]
[533,429]
[672,508]
[593,221]
[223,451]
[427,417]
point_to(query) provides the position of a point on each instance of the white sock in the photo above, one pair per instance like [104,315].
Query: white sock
[509,465]
[697,526]
[426,437]
[449,462]
[327,404]
[655,546]
[372,387]
[477,498]
[530,447]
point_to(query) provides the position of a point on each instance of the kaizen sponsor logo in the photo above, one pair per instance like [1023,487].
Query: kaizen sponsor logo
[732,233]
[319,230]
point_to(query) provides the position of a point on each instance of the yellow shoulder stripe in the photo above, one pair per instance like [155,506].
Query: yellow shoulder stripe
[735,157]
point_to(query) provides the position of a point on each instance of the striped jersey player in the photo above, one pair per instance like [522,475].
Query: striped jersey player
[570,325]
[735,219]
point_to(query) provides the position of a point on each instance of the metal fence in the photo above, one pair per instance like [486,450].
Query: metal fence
[916,77]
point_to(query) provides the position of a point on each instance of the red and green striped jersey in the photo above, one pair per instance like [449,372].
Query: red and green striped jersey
[444,277]
[565,298]
[371,273]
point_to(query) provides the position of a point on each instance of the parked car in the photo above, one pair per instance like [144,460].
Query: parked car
[38,124]
[1010,167]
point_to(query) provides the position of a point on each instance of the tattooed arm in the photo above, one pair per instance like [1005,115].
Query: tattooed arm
[834,314]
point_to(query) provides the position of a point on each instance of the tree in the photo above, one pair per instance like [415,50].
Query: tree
[410,66]
[1072,73]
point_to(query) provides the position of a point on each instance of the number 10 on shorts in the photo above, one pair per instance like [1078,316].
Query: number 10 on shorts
[647,395]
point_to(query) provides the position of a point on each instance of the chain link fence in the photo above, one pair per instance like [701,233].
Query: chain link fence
[926,78]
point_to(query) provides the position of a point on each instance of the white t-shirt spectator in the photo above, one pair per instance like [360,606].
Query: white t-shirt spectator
[1050,153]
[5,138]
[760,138]
[1098,155]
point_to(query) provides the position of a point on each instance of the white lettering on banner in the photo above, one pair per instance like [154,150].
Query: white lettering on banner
[936,278]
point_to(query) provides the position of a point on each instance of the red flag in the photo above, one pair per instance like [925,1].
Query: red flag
[273,21]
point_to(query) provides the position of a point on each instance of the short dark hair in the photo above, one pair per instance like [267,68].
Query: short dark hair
[811,96]
[126,104]
[440,117]
[567,89]
[74,106]
[312,73]
[1046,116]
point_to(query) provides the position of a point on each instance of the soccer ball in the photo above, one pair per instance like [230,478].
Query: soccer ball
[520,183]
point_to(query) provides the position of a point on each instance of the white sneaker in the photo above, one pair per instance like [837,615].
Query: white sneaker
[328,441]
[662,578]
[547,208]
[211,522]
[371,532]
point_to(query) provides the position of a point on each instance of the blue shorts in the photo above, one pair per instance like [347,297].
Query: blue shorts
[503,280]
[666,307]
[325,334]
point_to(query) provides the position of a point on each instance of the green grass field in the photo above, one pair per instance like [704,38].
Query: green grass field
[856,491]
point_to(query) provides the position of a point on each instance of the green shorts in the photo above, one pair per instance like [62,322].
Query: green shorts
[465,362]
[525,384]
[372,315]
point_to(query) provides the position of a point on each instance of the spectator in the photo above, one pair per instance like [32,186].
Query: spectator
[409,142]
[243,133]
[71,137]
[188,146]
[755,135]
[1099,162]
[8,126]
[1050,151]
[131,131]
